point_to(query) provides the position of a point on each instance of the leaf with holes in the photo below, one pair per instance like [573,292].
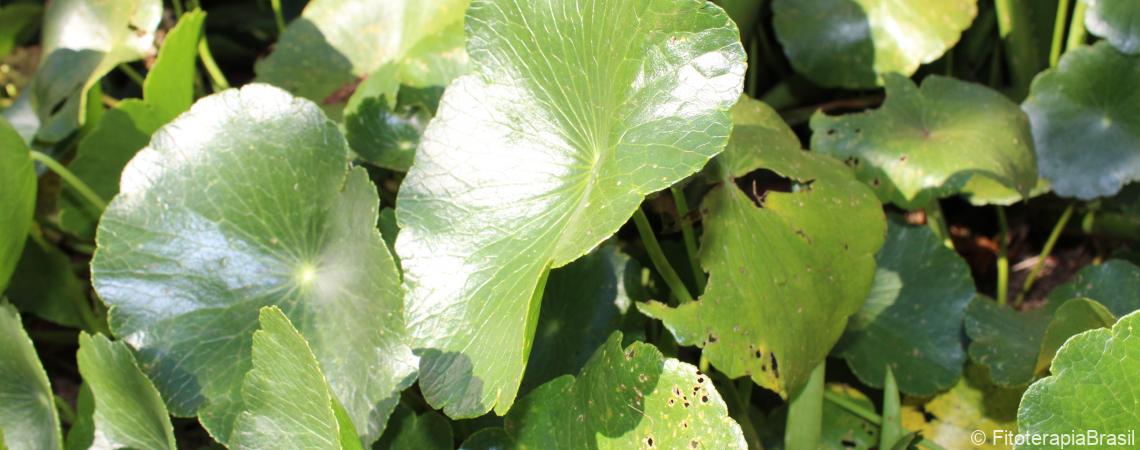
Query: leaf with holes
[782,277]
[529,165]
[931,142]
[854,43]
[246,201]
[632,398]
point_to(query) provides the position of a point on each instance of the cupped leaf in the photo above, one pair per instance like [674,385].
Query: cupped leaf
[1093,386]
[853,43]
[28,419]
[576,112]
[336,42]
[1086,122]
[974,404]
[284,398]
[82,41]
[17,199]
[388,135]
[45,284]
[1118,21]
[583,303]
[784,275]
[912,319]
[243,202]
[128,410]
[632,398]
[1074,317]
[931,142]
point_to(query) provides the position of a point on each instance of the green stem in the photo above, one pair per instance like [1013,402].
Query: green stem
[66,413]
[1003,256]
[68,177]
[1058,32]
[805,414]
[753,67]
[866,414]
[1045,251]
[688,236]
[131,73]
[658,257]
[1077,30]
[742,392]
[1013,25]
[177,5]
[936,220]
[277,16]
[216,75]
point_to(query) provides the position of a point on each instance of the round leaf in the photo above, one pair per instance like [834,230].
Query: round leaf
[1085,116]
[243,202]
[853,43]
[784,275]
[1114,284]
[912,319]
[17,199]
[576,111]
[1118,21]
[931,142]
[1006,341]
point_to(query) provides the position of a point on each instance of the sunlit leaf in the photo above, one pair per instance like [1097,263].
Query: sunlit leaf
[128,410]
[1073,317]
[974,405]
[17,199]
[529,166]
[27,412]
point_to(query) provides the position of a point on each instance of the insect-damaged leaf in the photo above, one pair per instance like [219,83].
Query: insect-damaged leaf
[784,275]
[576,111]
[632,398]
[931,142]
[128,412]
[853,43]
[243,202]
[28,420]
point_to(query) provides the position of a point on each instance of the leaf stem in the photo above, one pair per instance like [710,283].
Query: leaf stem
[277,16]
[1045,251]
[1077,32]
[177,5]
[66,413]
[68,177]
[936,220]
[1058,32]
[805,413]
[131,73]
[658,257]
[216,75]
[688,236]
[1003,256]
[868,415]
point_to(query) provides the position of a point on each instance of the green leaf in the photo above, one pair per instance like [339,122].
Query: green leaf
[783,277]
[82,432]
[1118,21]
[634,398]
[27,411]
[285,399]
[243,202]
[17,199]
[529,166]
[169,86]
[428,431]
[17,22]
[388,136]
[128,410]
[1084,118]
[853,43]
[100,159]
[45,284]
[82,41]
[912,319]
[1093,386]
[974,403]
[336,42]
[932,142]
[489,439]
[1114,284]
[583,303]
[1073,317]
[1006,341]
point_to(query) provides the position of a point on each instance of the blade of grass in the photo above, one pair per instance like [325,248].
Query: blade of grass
[805,414]
[688,236]
[868,415]
[891,429]
[1003,257]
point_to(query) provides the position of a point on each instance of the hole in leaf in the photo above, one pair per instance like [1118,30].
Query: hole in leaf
[758,183]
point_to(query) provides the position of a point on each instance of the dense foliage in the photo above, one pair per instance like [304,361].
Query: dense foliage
[488,224]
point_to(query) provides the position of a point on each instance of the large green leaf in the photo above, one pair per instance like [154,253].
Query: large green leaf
[336,42]
[1086,121]
[45,284]
[82,41]
[285,399]
[632,398]
[1093,387]
[128,410]
[27,412]
[931,142]
[783,277]
[853,43]
[1114,284]
[912,320]
[1073,317]
[577,111]
[243,202]
[583,303]
[17,198]
[1118,21]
